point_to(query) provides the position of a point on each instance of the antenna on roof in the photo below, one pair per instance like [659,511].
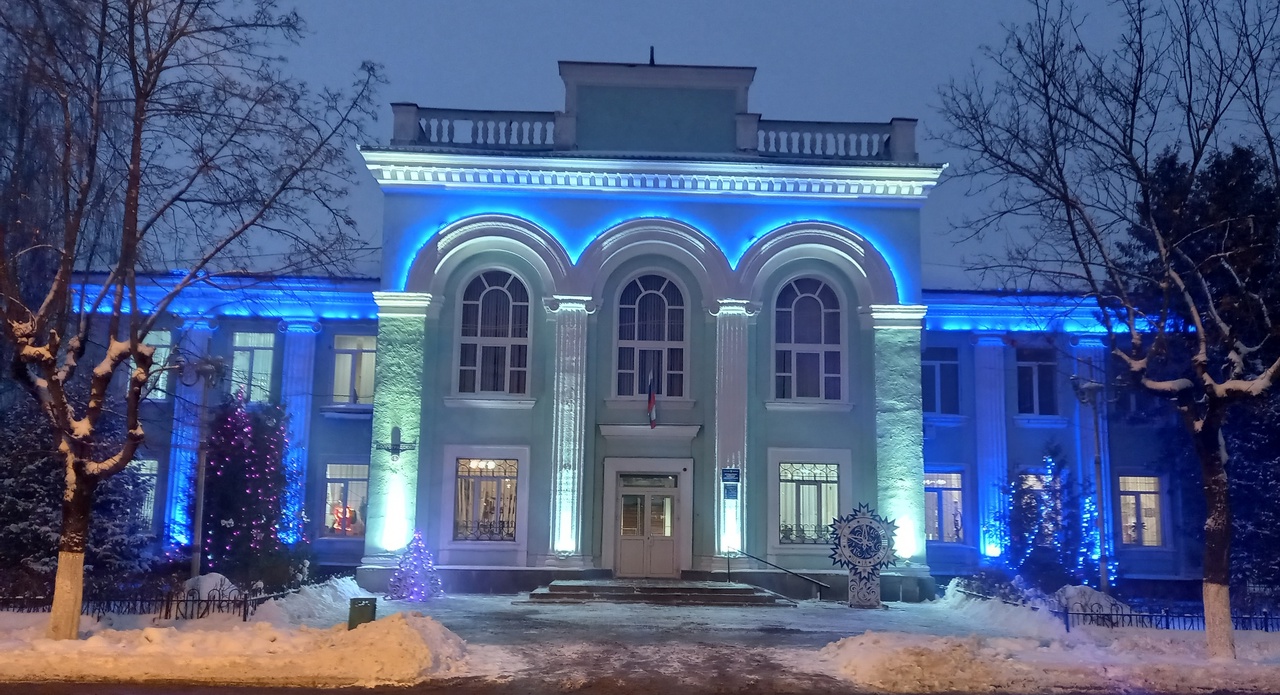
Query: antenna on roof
[651,56]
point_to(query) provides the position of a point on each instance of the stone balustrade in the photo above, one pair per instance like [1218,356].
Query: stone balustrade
[490,130]
[531,131]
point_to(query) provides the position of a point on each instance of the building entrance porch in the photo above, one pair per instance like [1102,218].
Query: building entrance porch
[648,517]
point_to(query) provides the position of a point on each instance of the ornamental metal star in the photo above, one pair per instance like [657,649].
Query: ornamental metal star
[862,542]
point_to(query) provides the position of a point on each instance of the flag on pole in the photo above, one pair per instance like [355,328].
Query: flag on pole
[653,401]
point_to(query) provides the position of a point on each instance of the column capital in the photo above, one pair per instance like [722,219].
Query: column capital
[896,316]
[990,338]
[1088,342]
[568,302]
[402,303]
[735,307]
[299,325]
[205,325]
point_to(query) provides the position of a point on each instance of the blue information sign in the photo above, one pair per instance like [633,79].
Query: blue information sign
[731,491]
[730,475]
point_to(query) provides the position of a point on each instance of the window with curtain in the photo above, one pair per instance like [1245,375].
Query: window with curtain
[808,501]
[484,506]
[1140,511]
[944,507]
[493,353]
[808,342]
[346,499]
[651,338]
[252,361]
[353,362]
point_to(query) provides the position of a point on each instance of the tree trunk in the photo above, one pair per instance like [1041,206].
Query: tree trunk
[68,585]
[1217,544]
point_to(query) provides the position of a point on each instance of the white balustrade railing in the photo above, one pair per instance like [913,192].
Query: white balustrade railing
[503,130]
[805,139]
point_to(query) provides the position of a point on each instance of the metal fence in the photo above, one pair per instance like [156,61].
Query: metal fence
[178,605]
[1102,615]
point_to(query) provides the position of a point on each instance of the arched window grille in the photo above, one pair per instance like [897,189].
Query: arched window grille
[493,354]
[808,354]
[652,340]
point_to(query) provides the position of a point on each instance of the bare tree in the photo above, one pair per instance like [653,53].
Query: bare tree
[144,136]
[1067,120]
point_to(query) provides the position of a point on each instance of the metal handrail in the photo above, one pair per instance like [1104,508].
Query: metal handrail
[741,553]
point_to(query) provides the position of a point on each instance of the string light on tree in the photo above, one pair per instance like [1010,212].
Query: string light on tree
[417,578]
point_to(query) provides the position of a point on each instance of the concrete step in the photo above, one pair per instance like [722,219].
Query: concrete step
[658,592]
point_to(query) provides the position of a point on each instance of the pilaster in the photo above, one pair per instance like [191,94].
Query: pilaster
[568,422]
[297,386]
[732,321]
[1091,355]
[397,427]
[990,426]
[184,442]
[900,428]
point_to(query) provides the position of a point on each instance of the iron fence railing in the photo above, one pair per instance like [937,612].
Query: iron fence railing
[1097,614]
[191,604]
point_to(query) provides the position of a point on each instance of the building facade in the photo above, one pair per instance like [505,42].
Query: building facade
[656,335]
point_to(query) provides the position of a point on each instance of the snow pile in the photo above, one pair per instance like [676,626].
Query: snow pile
[319,605]
[211,582]
[1081,599]
[401,649]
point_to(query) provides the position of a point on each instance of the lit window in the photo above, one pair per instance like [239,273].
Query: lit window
[940,380]
[353,357]
[157,387]
[493,355]
[651,338]
[1140,511]
[943,507]
[1037,505]
[252,355]
[1037,378]
[808,350]
[808,501]
[346,499]
[485,502]
[147,472]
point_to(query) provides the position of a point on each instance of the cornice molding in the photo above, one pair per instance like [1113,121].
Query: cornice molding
[403,168]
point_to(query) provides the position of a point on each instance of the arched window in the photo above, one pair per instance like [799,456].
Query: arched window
[651,338]
[808,348]
[493,354]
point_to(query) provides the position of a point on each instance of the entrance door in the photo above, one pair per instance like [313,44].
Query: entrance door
[647,527]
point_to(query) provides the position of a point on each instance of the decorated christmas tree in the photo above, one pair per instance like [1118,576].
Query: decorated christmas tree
[244,488]
[417,578]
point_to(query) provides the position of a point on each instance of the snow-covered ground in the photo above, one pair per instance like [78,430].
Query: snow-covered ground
[951,645]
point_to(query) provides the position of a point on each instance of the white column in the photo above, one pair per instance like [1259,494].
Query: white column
[732,320]
[568,422]
[184,440]
[397,419]
[1091,355]
[990,421]
[297,384]
[900,429]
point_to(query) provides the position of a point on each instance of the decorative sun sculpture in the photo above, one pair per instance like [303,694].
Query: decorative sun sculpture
[862,542]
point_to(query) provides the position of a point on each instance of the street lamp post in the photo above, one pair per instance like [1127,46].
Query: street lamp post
[208,371]
[1088,393]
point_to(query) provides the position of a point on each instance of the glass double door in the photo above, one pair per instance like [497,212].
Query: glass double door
[647,533]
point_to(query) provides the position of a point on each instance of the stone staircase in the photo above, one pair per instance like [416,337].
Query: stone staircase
[667,592]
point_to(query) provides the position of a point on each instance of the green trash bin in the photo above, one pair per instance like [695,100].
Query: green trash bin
[363,610]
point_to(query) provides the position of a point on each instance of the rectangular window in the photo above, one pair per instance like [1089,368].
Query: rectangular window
[158,386]
[1037,381]
[485,500]
[940,380]
[808,501]
[148,472]
[353,360]
[1140,511]
[944,507]
[252,356]
[346,499]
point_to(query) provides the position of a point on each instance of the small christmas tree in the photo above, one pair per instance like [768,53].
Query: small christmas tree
[417,578]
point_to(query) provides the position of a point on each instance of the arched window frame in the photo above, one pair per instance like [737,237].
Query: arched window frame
[791,348]
[639,383]
[515,349]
